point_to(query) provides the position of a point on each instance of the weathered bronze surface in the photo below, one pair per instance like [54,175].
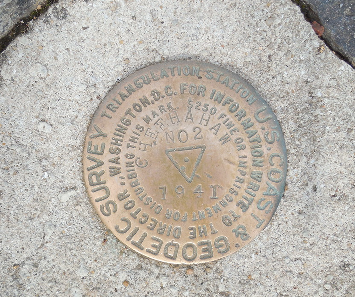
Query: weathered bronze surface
[184,162]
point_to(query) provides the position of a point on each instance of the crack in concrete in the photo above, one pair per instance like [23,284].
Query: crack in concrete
[22,26]
[311,15]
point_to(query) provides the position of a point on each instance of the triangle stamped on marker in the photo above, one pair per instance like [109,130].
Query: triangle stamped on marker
[186,160]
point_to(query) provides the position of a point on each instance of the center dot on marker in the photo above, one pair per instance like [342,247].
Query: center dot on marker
[186,159]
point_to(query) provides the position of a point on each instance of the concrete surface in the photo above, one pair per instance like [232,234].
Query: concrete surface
[338,19]
[52,80]
[12,11]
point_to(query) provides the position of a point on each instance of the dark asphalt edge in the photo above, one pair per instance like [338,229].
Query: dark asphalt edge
[22,26]
[311,15]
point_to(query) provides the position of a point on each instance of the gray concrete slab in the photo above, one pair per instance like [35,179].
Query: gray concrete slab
[52,80]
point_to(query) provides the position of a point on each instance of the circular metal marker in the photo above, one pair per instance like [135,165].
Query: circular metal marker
[184,162]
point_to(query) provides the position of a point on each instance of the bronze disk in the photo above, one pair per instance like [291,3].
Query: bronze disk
[184,162]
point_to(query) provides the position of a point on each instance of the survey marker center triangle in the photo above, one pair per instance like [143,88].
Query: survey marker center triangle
[189,156]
